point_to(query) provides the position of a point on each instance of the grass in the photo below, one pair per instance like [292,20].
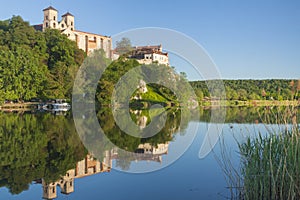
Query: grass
[151,95]
[269,163]
[271,166]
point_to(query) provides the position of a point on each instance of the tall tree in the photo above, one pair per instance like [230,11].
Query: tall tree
[124,46]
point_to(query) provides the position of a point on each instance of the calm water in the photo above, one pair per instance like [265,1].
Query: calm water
[41,155]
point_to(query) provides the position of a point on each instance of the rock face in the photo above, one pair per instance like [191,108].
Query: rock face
[142,87]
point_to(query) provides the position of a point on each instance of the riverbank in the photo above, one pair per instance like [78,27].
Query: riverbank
[231,103]
[251,103]
[19,106]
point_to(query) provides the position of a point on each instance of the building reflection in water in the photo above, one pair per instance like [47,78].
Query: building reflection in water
[90,166]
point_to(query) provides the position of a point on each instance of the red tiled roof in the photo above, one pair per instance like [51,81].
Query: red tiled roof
[90,33]
[148,47]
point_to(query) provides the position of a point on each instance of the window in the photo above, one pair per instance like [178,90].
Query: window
[46,17]
[102,43]
[71,23]
[54,25]
[71,29]
[46,24]
[63,26]
[54,18]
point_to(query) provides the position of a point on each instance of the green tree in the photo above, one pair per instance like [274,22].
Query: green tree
[36,64]
[124,46]
[22,75]
[63,63]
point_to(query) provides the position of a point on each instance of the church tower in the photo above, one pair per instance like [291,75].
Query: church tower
[68,19]
[49,190]
[67,186]
[50,18]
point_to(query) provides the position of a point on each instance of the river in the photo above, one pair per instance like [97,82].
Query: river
[43,155]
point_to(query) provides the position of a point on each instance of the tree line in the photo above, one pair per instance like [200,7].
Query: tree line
[271,89]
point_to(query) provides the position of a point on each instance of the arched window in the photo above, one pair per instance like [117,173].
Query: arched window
[54,18]
[54,25]
[46,24]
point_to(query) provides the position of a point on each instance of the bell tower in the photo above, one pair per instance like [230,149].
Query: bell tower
[68,18]
[49,190]
[50,18]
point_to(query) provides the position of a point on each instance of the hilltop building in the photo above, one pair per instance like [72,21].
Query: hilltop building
[84,40]
[146,55]
[150,54]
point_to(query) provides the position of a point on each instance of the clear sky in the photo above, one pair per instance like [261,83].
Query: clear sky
[246,39]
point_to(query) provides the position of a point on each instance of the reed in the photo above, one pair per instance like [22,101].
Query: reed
[271,166]
[269,162]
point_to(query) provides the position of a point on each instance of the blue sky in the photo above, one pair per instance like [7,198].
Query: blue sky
[246,39]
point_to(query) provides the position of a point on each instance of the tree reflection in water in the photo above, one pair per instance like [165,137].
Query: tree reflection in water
[46,149]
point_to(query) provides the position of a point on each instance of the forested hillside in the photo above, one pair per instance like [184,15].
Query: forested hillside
[43,65]
[273,89]
[36,64]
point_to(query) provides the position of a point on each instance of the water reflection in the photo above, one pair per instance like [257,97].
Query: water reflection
[86,167]
[34,146]
[44,148]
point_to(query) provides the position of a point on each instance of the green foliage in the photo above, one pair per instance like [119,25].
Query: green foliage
[246,114]
[270,166]
[124,46]
[36,64]
[111,76]
[36,146]
[273,89]
[21,74]
[130,143]
[162,80]
[152,96]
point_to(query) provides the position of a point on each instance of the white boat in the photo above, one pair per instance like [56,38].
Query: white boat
[59,105]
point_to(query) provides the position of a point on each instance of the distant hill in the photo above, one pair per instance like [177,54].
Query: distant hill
[271,89]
